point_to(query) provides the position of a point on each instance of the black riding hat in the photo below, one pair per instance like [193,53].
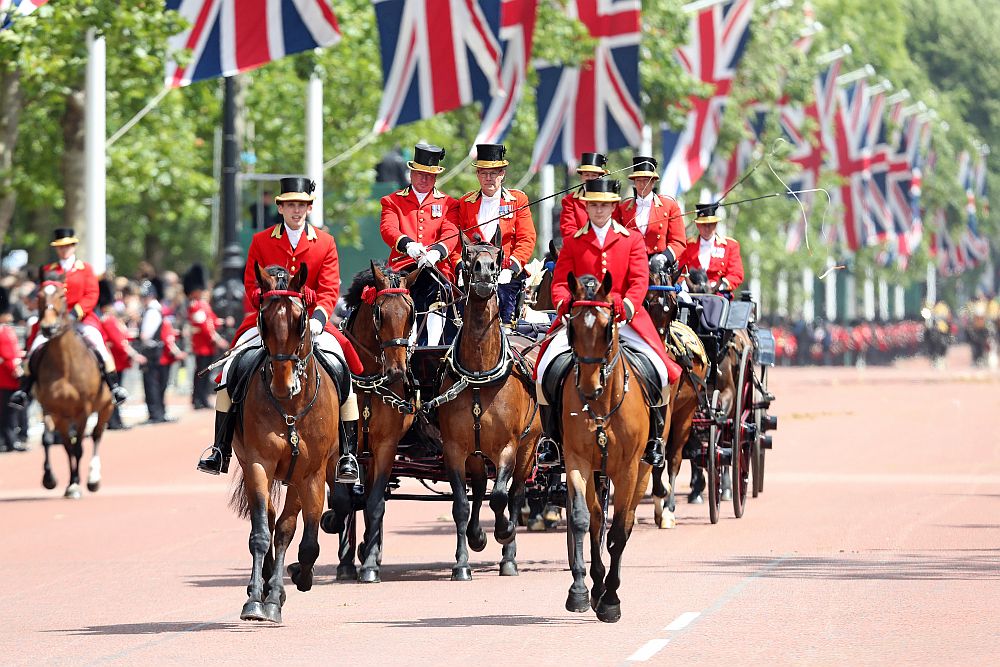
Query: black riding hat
[296,188]
[593,163]
[427,158]
[602,190]
[706,213]
[643,165]
[490,156]
[63,236]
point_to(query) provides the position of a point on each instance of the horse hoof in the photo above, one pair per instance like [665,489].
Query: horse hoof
[536,525]
[578,602]
[253,611]
[667,521]
[506,537]
[93,487]
[73,491]
[595,599]
[347,573]
[332,523]
[508,568]
[49,481]
[695,499]
[479,542]
[463,573]
[272,612]
[304,580]
[293,571]
[609,613]
[370,575]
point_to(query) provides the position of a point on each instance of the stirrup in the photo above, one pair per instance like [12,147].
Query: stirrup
[18,400]
[654,452]
[347,470]
[119,395]
[550,457]
[215,463]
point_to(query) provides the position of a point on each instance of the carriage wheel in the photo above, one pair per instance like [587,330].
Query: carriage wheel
[713,470]
[741,445]
[757,458]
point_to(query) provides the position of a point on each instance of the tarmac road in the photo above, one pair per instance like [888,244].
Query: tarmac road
[876,541]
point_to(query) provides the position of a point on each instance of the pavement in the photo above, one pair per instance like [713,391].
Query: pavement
[876,541]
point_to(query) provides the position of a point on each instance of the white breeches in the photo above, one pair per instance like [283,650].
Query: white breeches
[560,344]
[93,336]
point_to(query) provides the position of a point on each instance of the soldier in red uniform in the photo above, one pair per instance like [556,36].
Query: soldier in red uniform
[117,339]
[10,374]
[420,225]
[206,343]
[291,244]
[657,218]
[600,246]
[573,215]
[483,212]
[718,256]
[81,300]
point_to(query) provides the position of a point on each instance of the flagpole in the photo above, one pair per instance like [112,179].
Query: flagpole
[95,179]
[314,145]
[548,186]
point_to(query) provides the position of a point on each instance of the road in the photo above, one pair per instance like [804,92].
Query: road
[876,541]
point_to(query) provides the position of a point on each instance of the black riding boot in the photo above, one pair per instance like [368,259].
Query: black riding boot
[217,460]
[654,447]
[19,399]
[348,471]
[118,393]
[547,453]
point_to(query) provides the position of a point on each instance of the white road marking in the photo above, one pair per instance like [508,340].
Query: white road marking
[682,621]
[648,650]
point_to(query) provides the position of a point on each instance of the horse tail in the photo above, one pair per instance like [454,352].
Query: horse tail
[239,502]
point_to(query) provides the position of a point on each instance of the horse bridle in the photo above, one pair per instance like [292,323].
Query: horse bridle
[377,319]
[298,299]
[63,326]
[607,365]
[490,286]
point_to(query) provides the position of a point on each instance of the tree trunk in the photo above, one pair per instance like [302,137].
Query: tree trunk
[74,164]
[10,113]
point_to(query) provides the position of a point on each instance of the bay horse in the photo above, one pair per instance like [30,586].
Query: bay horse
[288,432]
[69,387]
[379,327]
[486,410]
[661,304]
[604,428]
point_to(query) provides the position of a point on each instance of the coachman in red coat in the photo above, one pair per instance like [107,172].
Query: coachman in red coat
[573,214]
[599,247]
[718,256]
[657,218]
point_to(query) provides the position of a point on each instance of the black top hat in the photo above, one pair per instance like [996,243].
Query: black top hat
[63,236]
[153,288]
[601,189]
[194,279]
[490,156]
[643,165]
[296,188]
[105,295]
[706,213]
[4,300]
[427,158]
[592,162]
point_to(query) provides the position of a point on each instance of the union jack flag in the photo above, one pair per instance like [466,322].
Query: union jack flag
[973,246]
[594,107]
[876,212]
[727,172]
[11,9]
[517,32]
[225,40]
[437,55]
[719,35]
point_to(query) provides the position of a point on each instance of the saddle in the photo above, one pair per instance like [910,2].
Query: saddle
[649,379]
[249,360]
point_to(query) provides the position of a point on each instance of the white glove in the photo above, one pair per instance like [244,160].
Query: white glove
[315,327]
[430,258]
[505,276]
[415,250]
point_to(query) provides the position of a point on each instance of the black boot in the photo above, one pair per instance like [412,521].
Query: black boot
[118,393]
[221,452]
[654,447]
[348,471]
[19,399]
[116,423]
[547,452]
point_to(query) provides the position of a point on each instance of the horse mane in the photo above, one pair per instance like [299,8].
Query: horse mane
[366,278]
[698,277]
[53,276]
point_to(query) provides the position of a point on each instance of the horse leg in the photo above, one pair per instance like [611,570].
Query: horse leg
[597,570]
[267,571]
[94,474]
[311,502]
[501,498]
[284,531]
[460,511]
[609,608]
[659,497]
[577,525]
[74,450]
[257,490]
[49,480]
[477,472]
[378,481]
[508,563]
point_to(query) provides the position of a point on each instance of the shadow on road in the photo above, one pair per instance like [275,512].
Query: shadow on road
[159,628]
[477,621]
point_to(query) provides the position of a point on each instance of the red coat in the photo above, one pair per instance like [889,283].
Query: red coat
[204,323]
[574,214]
[81,290]
[624,254]
[433,223]
[10,358]
[169,337]
[116,338]
[517,229]
[318,251]
[725,263]
[665,227]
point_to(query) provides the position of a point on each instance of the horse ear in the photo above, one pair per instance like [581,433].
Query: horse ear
[571,283]
[498,238]
[378,274]
[412,276]
[300,279]
[606,284]
[261,282]
[553,251]
[41,274]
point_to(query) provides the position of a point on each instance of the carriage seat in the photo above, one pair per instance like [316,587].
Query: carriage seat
[713,312]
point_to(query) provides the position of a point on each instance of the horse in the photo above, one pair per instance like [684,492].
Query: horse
[69,388]
[288,433]
[381,321]
[542,293]
[487,391]
[661,304]
[604,430]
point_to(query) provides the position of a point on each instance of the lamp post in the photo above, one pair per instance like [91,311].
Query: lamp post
[227,297]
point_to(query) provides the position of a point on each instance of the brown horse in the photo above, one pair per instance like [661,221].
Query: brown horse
[684,348]
[379,328]
[492,414]
[69,388]
[288,432]
[604,428]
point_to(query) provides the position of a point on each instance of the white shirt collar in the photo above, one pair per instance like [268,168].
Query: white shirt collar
[601,232]
[294,235]
[705,249]
[421,196]
[67,263]
[644,201]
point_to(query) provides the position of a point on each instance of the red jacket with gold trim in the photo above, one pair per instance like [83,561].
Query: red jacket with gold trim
[665,227]
[517,228]
[725,266]
[433,223]
[81,290]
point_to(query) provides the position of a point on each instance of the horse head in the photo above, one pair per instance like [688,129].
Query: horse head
[592,333]
[661,304]
[394,316]
[697,282]
[282,320]
[52,307]
[481,264]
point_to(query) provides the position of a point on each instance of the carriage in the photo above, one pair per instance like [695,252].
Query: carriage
[730,432]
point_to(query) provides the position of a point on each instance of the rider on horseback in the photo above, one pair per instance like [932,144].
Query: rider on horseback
[599,246]
[290,244]
[81,299]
